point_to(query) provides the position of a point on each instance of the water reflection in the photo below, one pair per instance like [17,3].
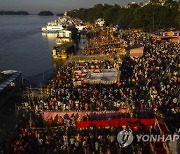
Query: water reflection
[58,62]
[50,36]
[51,39]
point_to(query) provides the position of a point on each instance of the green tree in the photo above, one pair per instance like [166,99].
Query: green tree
[149,17]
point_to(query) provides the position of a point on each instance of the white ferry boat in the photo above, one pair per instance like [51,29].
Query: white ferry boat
[52,27]
[62,23]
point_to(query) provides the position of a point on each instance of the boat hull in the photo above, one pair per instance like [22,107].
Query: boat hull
[60,57]
[49,31]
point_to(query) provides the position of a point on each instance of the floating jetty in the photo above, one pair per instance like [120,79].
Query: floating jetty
[61,51]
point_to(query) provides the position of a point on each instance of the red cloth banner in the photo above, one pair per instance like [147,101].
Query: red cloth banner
[116,122]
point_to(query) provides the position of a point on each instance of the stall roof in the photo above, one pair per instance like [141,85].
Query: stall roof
[105,76]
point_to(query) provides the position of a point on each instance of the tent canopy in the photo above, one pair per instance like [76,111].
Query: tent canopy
[107,75]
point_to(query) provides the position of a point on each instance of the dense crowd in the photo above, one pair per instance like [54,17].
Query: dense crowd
[62,96]
[149,84]
[104,49]
[104,44]
[70,140]
[155,75]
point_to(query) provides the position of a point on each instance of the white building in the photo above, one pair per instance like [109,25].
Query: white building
[100,22]
[145,3]
[129,4]
[160,2]
[65,13]
[80,27]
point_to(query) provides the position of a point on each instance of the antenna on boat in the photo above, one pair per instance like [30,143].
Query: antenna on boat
[153,20]
[22,81]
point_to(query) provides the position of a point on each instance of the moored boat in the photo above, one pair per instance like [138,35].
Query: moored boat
[50,28]
[10,81]
[9,78]
[63,22]
[59,54]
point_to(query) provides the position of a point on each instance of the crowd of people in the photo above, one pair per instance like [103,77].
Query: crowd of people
[148,85]
[105,49]
[104,44]
[155,75]
[71,140]
[63,96]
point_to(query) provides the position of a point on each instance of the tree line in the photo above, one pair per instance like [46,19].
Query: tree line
[41,13]
[150,17]
[14,13]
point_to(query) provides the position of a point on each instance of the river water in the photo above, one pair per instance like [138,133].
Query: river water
[23,47]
